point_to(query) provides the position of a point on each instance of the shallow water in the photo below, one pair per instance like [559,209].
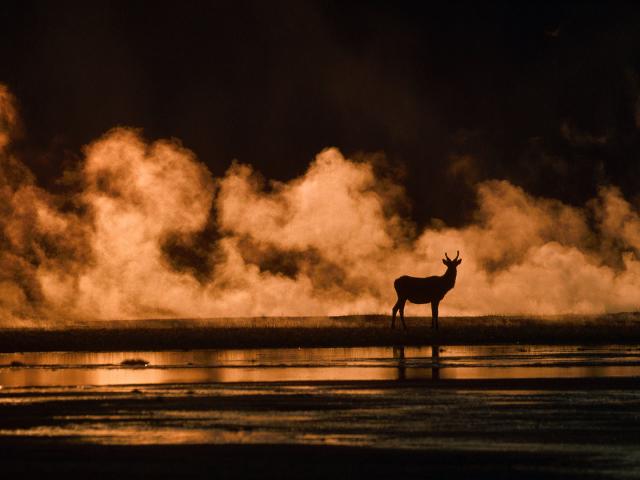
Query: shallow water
[316,364]
[478,399]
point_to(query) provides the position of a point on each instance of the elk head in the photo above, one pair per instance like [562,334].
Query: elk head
[452,263]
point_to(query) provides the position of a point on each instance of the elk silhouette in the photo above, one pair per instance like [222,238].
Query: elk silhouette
[425,290]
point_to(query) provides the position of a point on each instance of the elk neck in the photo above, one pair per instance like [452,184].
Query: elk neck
[449,277]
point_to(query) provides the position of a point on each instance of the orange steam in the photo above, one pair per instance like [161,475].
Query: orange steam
[159,236]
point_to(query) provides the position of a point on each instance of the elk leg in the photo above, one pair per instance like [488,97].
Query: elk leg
[394,310]
[434,315]
[404,326]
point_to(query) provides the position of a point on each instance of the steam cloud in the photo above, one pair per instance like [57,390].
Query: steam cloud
[153,233]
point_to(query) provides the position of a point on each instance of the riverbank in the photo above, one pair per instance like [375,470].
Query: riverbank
[347,331]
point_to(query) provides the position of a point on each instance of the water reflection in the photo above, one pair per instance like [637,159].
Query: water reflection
[398,354]
[435,359]
[316,364]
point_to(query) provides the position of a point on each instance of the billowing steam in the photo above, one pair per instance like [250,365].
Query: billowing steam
[153,233]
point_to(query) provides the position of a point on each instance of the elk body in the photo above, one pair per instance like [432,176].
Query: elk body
[425,290]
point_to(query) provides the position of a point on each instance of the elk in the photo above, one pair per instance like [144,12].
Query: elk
[425,290]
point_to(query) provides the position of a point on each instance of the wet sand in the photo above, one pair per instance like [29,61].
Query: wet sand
[360,330]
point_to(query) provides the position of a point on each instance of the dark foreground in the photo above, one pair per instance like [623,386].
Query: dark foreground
[446,414]
[503,411]
[575,428]
[38,459]
[360,330]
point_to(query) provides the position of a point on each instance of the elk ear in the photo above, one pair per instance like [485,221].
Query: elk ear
[459,262]
[445,262]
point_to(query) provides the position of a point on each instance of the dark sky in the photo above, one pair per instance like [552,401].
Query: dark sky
[544,95]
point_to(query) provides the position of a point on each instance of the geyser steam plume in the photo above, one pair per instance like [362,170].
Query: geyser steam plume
[152,233]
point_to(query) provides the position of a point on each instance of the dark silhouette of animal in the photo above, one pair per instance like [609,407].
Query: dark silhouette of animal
[425,290]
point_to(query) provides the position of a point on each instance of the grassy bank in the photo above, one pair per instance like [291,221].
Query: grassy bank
[361,330]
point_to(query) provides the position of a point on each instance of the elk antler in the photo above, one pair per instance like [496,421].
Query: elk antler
[457,254]
[447,256]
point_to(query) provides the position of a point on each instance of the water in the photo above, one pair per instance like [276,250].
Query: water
[575,408]
[316,364]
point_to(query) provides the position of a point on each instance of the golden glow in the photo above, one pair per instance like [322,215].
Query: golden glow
[315,364]
[334,228]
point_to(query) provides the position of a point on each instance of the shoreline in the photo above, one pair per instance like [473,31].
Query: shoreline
[348,331]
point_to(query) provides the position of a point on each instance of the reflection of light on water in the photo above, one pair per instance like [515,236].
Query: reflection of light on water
[317,364]
[266,374]
[121,435]
[395,415]
[492,373]
[70,376]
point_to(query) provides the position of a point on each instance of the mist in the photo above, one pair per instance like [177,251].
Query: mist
[148,231]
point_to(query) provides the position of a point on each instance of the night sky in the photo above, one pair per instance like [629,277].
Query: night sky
[545,96]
